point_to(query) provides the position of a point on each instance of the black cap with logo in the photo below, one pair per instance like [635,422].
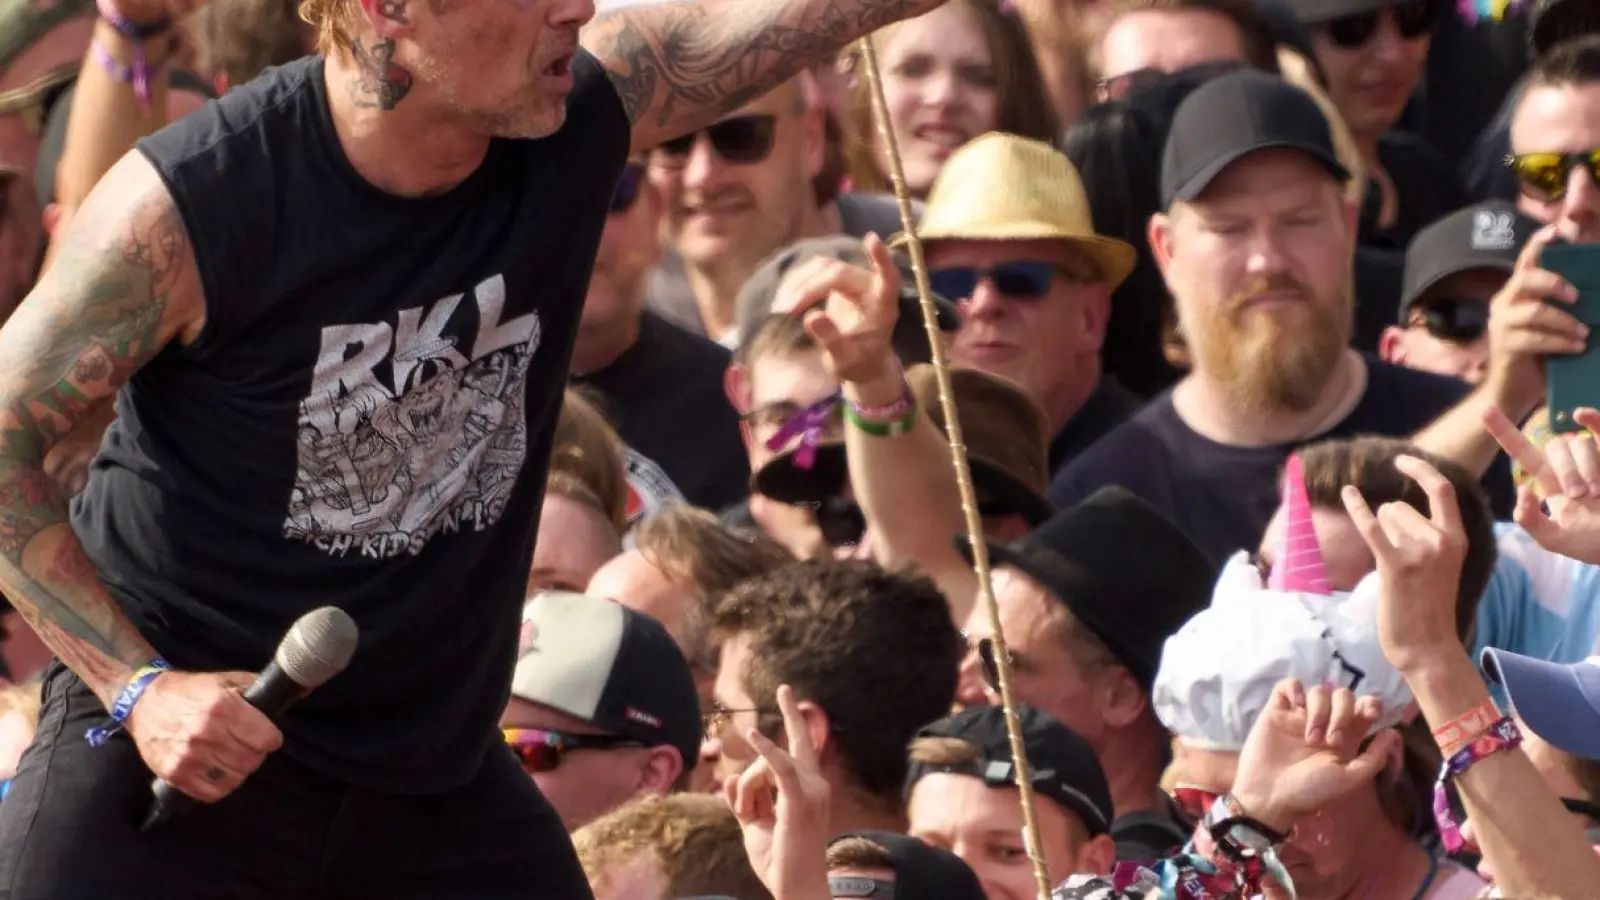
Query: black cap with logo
[1064,766]
[1235,115]
[920,871]
[1487,235]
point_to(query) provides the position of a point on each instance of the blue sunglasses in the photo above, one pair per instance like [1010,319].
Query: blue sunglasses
[627,190]
[1023,280]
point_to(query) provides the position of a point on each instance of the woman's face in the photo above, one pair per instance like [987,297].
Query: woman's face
[939,80]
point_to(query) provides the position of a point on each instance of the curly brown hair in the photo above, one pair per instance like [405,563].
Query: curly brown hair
[876,650]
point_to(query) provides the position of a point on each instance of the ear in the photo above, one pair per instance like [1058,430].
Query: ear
[815,139]
[1123,699]
[1098,856]
[1159,234]
[1352,223]
[391,19]
[220,83]
[1096,317]
[736,387]
[51,218]
[1391,346]
[661,771]
[817,727]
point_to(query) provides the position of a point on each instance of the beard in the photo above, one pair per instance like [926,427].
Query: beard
[1268,361]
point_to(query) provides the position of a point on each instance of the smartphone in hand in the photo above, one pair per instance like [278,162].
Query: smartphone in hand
[1573,382]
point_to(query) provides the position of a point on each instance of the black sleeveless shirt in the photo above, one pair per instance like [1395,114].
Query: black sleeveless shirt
[364,422]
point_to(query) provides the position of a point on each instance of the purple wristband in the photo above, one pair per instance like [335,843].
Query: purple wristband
[134,31]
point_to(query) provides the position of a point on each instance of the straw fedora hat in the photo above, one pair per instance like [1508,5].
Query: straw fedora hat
[1000,187]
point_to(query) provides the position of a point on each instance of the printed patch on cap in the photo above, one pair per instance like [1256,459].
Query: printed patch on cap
[1493,230]
[642,717]
[649,488]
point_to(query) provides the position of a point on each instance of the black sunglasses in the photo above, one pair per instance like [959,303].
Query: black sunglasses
[988,666]
[1412,19]
[1023,280]
[1120,86]
[627,189]
[741,139]
[1458,319]
[1545,176]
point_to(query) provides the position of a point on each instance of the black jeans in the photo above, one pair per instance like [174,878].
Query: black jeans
[69,829]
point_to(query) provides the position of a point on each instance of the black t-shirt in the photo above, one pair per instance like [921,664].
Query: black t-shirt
[1223,496]
[1109,406]
[364,422]
[1429,186]
[664,395]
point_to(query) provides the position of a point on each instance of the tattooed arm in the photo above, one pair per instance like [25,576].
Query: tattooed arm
[123,285]
[683,64]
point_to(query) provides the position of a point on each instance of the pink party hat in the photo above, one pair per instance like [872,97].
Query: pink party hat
[1299,567]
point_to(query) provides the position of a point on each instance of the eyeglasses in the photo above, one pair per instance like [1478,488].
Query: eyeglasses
[541,750]
[1457,319]
[1119,86]
[777,414]
[1412,19]
[741,139]
[718,718]
[627,189]
[1545,176]
[1022,280]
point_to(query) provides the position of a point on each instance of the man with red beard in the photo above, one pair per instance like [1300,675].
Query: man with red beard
[1256,245]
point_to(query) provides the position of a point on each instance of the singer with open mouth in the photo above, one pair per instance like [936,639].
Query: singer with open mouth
[334,311]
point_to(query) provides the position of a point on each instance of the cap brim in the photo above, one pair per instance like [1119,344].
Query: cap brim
[784,480]
[1198,182]
[1432,279]
[1551,699]
[997,487]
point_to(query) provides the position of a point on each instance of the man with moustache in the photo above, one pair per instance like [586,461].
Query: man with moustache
[1256,247]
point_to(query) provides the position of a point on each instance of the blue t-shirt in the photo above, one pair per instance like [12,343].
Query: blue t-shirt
[1538,603]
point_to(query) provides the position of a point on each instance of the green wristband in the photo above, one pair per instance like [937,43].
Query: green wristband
[891,428]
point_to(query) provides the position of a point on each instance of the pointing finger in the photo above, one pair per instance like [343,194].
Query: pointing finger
[1366,523]
[1519,448]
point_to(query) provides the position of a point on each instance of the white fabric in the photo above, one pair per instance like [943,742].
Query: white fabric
[1218,671]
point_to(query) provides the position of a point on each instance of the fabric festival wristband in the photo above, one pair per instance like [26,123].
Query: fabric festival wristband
[1457,733]
[130,695]
[889,411]
[894,428]
[1502,735]
[138,72]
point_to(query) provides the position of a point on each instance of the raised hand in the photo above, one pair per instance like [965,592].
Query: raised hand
[1419,565]
[1523,328]
[849,311]
[782,802]
[1567,471]
[196,732]
[1304,751]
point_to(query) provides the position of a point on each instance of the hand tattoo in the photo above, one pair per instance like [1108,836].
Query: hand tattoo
[382,83]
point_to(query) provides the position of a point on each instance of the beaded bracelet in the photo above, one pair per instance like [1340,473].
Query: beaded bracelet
[1457,733]
[130,695]
[1502,735]
[879,428]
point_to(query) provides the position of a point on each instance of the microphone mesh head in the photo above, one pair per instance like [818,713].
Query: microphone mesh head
[318,647]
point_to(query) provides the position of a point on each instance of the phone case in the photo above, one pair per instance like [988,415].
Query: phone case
[1574,381]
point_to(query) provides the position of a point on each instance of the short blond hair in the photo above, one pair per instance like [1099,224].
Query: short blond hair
[859,853]
[589,449]
[692,840]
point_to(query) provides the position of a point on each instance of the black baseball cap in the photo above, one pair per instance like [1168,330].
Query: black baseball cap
[1487,235]
[921,871]
[611,666]
[1318,12]
[1234,115]
[1065,767]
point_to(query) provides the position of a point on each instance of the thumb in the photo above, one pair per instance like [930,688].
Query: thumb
[1530,515]
[822,329]
[1370,763]
[238,681]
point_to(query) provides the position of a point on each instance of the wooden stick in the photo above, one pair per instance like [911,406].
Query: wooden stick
[958,456]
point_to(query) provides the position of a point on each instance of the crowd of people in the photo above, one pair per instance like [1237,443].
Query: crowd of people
[1295,575]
